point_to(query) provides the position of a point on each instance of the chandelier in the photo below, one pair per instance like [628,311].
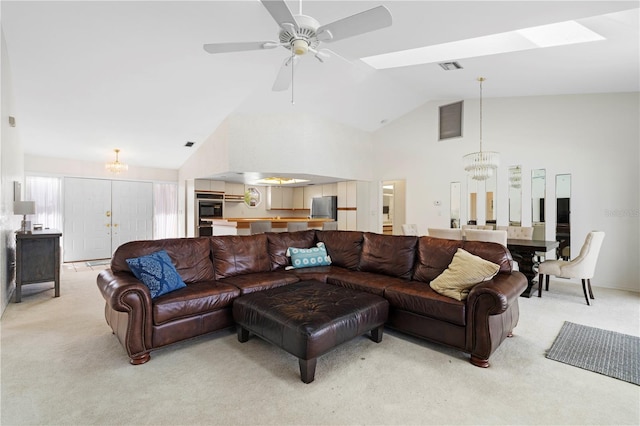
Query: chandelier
[482,164]
[116,166]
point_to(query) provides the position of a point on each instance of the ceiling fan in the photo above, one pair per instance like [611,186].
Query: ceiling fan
[302,34]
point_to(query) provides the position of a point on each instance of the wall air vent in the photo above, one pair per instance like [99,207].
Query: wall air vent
[450,66]
[189,144]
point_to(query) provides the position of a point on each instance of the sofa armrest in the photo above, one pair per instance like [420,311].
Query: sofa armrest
[497,294]
[492,313]
[128,311]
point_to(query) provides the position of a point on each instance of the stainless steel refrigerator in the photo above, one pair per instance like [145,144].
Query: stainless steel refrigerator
[324,207]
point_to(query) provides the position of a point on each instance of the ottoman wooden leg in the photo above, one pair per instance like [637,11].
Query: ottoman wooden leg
[307,369]
[376,334]
[243,334]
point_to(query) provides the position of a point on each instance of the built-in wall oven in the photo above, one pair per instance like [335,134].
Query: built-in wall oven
[209,206]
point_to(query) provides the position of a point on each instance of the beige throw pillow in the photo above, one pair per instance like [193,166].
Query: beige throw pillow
[465,271]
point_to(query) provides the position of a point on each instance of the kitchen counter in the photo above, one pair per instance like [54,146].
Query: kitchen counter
[277,223]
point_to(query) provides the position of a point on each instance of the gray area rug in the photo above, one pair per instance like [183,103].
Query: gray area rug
[606,352]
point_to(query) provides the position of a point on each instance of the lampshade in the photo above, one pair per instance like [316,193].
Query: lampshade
[24,207]
[482,164]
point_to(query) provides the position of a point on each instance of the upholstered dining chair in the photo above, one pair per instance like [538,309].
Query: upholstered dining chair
[297,226]
[498,236]
[260,227]
[410,229]
[447,233]
[583,266]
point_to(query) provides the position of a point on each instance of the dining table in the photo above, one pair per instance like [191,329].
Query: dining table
[524,252]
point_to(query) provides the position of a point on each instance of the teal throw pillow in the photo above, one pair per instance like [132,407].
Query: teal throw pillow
[306,258]
[157,272]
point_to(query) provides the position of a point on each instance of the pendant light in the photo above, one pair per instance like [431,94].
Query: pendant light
[481,165]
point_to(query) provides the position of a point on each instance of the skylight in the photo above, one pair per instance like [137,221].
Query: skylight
[559,34]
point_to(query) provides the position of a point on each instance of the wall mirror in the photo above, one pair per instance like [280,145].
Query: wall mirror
[472,205]
[515,195]
[455,205]
[491,199]
[563,215]
[252,197]
[538,186]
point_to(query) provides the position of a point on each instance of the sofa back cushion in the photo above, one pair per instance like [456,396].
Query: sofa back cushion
[392,255]
[237,255]
[280,241]
[493,252]
[344,247]
[434,256]
[191,256]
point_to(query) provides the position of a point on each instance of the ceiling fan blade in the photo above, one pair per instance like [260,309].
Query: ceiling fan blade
[239,47]
[280,12]
[360,23]
[283,79]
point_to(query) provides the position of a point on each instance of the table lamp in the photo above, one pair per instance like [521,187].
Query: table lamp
[24,208]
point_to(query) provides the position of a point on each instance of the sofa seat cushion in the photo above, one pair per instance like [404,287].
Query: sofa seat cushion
[317,273]
[194,299]
[392,255]
[419,298]
[259,281]
[363,281]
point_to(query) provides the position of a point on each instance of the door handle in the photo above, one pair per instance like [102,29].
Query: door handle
[108,213]
[115,225]
[108,225]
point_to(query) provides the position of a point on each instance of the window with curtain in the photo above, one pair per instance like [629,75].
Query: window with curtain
[47,193]
[165,210]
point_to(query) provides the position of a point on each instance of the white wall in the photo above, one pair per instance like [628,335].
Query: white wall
[595,138]
[280,143]
[11,169]
[37,165]
[298,143]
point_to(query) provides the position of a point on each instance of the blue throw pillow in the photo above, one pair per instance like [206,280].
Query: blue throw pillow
[157,272]
[306,258]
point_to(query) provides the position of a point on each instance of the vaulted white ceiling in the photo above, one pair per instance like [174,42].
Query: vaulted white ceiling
[89,77]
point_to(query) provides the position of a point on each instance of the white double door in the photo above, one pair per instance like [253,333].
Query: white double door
[100,215]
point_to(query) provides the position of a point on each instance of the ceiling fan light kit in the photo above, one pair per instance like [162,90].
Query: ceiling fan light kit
[302,34]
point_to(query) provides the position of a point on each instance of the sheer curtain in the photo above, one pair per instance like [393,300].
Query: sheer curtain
[165,210]
[47,194]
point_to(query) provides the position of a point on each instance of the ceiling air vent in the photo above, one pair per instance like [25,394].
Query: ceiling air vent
[450,66]
[189,144]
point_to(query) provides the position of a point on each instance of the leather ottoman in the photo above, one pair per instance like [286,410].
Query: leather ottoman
[309,318]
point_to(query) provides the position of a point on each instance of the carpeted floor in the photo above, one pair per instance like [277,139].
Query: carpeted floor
[60,364]
[602,351]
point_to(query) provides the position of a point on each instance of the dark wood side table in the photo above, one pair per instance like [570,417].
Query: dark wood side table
[37,259]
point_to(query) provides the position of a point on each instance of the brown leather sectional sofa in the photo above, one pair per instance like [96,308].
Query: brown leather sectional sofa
[219,269]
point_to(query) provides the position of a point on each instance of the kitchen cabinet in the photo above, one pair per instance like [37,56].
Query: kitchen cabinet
[347,205]
[209,185]
[329,189]
[310,192]
[298,198]
[234,192]
[279,198]
[231,188]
